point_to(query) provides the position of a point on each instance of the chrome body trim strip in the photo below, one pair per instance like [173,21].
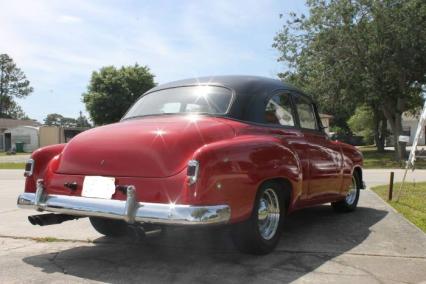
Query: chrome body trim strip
[129,210]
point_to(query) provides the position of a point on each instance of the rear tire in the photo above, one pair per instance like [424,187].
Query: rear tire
[350,203]
[109,227]
[261,233]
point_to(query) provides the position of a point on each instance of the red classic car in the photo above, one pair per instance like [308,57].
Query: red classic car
[232,149]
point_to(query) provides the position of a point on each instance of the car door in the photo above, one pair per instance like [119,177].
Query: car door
[325,157]
[280,116]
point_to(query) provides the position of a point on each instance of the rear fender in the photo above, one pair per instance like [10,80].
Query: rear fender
[352,161]
[44,158]
[231,171]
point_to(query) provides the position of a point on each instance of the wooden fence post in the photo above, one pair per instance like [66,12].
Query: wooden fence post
[391,186]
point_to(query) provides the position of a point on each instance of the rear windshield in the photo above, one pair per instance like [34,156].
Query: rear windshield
[192,99]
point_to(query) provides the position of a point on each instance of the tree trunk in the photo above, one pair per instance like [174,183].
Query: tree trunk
[383,135]
[394,118]
[401,153]
[380,128]
[396,132]
[380,139]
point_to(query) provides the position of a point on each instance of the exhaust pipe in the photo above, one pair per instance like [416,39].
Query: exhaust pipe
[50,219]
[139,232]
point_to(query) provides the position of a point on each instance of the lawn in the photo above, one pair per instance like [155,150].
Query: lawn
[411,204]
[11,166]
[376,160]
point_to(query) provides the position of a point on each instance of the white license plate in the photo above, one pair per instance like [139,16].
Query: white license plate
[98,187]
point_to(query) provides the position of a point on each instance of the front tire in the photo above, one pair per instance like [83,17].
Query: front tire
[350,202]
[261,233]
[109,227]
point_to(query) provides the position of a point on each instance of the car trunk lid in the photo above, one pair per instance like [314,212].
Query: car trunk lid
[156,146]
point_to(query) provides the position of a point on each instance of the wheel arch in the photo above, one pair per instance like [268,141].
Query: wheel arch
[357,170]
[286,188]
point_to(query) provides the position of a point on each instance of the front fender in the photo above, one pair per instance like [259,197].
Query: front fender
[232,170]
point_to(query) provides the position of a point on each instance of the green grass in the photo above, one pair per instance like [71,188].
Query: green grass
[411,204]
[12,166]
[385,160]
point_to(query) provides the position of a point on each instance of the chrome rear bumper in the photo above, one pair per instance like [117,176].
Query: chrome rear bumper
[128,210]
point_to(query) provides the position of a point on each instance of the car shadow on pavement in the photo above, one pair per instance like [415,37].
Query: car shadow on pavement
[311,237]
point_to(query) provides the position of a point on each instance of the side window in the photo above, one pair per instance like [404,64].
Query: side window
[279,110]
[306,112]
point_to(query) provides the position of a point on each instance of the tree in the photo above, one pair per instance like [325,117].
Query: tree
[359,52]
[68,122]
[55,119]
[13,84]
[14,111]
[82,121]
[112,91]
[362,123]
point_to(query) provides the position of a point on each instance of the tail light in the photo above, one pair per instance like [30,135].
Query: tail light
[192,171]
[29,168]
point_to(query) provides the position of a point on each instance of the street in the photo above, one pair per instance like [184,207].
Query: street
[374,244]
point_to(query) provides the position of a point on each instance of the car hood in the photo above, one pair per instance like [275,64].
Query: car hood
[156,146]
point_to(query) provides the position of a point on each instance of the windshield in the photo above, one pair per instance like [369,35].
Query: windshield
[192,99]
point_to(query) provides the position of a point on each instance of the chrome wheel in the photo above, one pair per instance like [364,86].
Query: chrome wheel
[268,214]
[351,196]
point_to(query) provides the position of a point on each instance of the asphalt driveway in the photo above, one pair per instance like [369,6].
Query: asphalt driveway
[372,245]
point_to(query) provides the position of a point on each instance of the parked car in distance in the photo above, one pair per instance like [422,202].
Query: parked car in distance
[239,150]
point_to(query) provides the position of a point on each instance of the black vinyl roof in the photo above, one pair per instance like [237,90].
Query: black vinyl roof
[250,92]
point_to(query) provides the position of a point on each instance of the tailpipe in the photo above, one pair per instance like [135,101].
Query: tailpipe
[50,219]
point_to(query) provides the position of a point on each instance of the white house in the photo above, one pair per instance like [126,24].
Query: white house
[409,127]
[7,124]
[28,135]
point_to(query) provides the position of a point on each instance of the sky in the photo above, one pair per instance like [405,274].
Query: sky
[58,44]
